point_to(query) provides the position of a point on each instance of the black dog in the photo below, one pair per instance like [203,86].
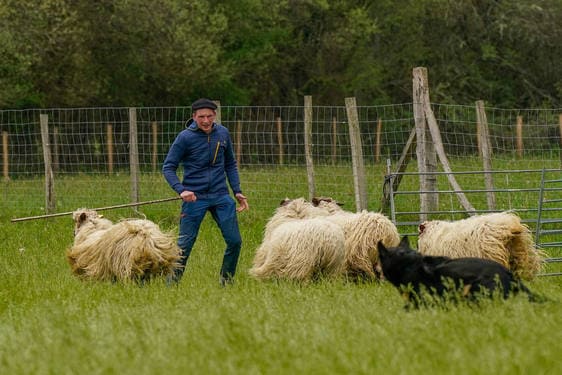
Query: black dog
[412,273]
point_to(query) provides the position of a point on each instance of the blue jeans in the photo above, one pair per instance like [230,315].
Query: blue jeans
[223,210]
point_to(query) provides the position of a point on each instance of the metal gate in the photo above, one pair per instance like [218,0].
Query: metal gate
[548,232]
[541,207]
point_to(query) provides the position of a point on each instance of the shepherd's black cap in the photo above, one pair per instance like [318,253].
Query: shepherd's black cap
[203,103]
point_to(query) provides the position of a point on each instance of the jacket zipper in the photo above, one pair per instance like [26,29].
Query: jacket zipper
[216,152]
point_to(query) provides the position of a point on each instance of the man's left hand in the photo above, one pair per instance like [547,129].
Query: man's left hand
[243,202]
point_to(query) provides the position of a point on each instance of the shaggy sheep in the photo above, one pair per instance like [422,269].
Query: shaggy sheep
[301,251]
[363,231]
[290,210]
[297,246]
[497,236]
[133,249]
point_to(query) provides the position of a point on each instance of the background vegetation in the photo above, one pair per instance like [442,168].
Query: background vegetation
[60,53]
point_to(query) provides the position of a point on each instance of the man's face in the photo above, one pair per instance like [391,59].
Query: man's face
[204,118]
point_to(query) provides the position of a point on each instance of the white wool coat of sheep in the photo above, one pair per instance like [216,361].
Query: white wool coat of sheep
[497,236]
[363,230]
[129,250]
[301,250]
[298,247]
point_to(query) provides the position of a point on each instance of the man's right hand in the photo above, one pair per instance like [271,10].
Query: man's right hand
[188,196]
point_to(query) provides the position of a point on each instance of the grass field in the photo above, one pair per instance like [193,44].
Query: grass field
[52,323]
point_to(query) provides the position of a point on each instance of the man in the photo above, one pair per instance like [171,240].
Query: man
[205,151]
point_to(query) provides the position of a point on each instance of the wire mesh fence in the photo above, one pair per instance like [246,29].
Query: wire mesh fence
[91,149]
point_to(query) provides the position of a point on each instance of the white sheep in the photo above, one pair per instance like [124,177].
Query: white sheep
[298,247]
[498,236]
[290,210]
[133,249]
[363,230]
[301,251]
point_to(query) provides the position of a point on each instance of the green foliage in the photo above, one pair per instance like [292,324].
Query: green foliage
[167,52]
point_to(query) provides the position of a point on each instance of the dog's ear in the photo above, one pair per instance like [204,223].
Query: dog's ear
[404,243]
[382,249]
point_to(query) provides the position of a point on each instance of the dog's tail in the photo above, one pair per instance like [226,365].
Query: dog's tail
[531,296]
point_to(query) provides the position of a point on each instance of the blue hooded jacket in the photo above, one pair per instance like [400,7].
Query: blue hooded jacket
[207,159]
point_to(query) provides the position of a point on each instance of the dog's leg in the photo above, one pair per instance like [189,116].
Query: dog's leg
[518,286]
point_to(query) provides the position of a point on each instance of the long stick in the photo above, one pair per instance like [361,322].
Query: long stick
[96,209]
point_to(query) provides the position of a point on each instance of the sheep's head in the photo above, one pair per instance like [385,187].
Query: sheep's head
[430,225]
[329,204]
[82,216]
[421,227]
[317,201]
[295,208]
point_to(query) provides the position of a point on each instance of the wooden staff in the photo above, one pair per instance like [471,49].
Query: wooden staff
[96,209]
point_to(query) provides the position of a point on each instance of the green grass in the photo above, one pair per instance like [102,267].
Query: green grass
[52,323]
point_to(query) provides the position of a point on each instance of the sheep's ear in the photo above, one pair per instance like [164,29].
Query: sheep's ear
[82,217]
[316,201]
[284,202]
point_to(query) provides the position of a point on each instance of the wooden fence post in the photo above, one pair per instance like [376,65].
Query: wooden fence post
[334,141]
[560,128]
[356,155]
[425,150]
[109,143]
[378,141]
[238,143]
[50,202]
[436,136]
[218,117]
[5,155]
[486,152]
[134,155]
[400,168]
[308,146]
[280,140]
[154,146]
[519,132]
[55,149]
